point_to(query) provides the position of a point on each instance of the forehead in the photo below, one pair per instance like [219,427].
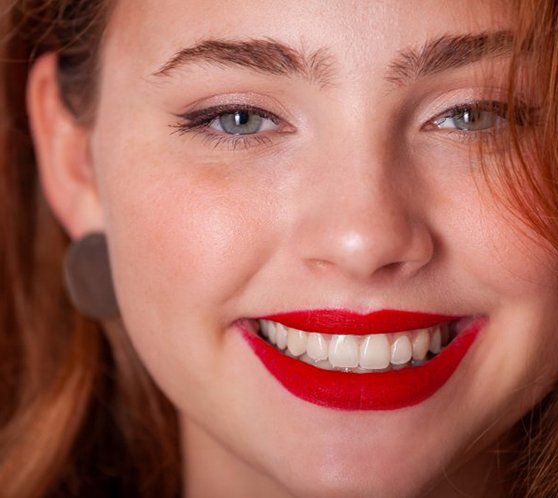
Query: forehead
[145,33]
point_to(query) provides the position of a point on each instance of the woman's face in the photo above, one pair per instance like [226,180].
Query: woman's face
[257,158]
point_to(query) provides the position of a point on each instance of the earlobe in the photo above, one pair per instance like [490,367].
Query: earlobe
[62,152]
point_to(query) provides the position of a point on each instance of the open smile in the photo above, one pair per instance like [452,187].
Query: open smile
[381,361]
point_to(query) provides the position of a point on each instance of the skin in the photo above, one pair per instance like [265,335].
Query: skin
[352,203]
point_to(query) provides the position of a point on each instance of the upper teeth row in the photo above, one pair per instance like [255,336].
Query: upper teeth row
[369,352]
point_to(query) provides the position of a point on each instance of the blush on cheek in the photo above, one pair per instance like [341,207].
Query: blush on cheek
[191,248]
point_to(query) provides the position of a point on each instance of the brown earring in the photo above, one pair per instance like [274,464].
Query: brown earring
[88,277]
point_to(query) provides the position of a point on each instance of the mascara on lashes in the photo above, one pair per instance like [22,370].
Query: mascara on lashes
[203,117]
[522,113]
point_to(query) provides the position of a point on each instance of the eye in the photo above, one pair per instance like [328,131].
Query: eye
[229,120]
[242,122]
[477,116]
[233,127]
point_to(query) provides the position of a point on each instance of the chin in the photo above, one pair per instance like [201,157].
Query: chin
[339,480]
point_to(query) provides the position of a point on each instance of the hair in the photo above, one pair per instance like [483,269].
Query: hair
[79,415]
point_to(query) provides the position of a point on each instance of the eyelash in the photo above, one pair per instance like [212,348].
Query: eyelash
[523,115]
[198,122]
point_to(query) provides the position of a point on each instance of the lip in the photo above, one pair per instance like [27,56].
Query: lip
[390,390]
[331,321]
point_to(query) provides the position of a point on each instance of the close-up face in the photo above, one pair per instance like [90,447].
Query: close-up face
[271,167]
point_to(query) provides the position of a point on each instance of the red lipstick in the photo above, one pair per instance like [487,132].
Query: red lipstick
[347,322]
[363,391]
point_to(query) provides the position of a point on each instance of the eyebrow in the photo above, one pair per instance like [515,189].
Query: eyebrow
[264,56]
[448,52]
[269,56]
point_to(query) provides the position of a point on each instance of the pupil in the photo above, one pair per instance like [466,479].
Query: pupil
[241,118]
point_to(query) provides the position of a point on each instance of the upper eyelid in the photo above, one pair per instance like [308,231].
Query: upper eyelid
[426,104]
[482,104]
[465,105]
[212,112]
[525,113]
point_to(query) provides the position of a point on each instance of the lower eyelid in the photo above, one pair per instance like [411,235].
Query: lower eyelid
[235,142]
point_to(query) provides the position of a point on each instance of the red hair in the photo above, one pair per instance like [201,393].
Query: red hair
[79,415]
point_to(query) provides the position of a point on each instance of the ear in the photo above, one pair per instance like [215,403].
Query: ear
[62,152]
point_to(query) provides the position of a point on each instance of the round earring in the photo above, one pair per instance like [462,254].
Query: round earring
[88,277]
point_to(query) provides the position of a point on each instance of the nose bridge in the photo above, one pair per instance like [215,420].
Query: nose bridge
[360,219]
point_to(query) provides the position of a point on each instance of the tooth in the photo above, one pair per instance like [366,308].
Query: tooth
[374,352]
[343,351]
[323,364]
[421,343]
[296,342]
[317,347]
[281,337]
[436,341]
[264,328]
[272,332]
[401,350]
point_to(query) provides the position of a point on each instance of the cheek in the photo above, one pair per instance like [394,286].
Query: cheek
[513,262]
[487,251]
[182,239]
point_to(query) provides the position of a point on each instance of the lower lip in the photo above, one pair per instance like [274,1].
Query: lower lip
[369,391]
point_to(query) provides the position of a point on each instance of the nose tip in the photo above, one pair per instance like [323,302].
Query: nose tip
[363,253]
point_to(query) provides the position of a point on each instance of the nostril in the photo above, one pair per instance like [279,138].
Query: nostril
[392,267]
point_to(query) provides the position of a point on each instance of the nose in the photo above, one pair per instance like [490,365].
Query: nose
[363,225]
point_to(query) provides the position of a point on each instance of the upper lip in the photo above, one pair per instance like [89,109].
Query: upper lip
[337,321]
